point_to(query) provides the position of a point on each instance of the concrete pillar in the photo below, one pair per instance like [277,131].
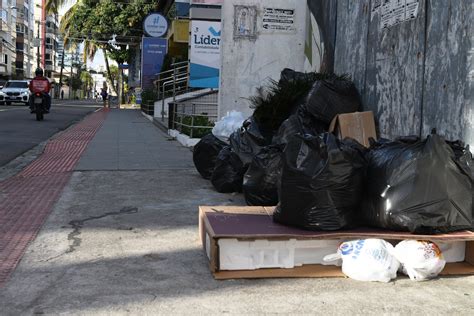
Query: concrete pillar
[252,52]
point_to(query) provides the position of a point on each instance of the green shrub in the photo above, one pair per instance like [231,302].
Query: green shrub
[148,96]
[198,121]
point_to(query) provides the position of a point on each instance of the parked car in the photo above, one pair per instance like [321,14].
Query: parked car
[15,91]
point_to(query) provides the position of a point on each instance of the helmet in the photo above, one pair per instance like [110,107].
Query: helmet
[39,72]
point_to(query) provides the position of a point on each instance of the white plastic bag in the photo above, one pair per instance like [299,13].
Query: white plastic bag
[227,125]
[367,260]
[421,260]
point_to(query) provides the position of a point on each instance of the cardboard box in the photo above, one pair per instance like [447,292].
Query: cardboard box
[255,223]
[359,126]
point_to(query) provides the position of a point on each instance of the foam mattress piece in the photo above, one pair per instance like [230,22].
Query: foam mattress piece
[245,242]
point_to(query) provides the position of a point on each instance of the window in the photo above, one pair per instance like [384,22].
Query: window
[20,28]
[4,16]
[47,56]
[16,84]
[5,59]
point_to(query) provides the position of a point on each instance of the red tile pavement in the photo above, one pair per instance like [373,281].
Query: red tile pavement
[27,198]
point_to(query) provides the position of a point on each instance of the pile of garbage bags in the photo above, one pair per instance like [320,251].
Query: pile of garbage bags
[283,156]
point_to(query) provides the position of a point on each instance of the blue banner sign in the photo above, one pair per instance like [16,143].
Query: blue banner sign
[153,54]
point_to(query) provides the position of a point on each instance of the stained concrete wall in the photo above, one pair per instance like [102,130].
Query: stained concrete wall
[248,63]
[416,75]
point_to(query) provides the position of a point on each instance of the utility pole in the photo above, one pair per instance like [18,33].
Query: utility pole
[70,77]
[61,72]
[38,54]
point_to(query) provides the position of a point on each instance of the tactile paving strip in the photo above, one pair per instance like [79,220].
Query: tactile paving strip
[27,198]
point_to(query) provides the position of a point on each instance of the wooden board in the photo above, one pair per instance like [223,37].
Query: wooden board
[447,98]
[351,41]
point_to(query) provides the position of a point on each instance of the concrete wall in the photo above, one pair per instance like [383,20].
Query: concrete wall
[416,75]
[248,63]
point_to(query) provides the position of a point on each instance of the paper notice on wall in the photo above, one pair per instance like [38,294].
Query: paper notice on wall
[278,20]
[386,14]
[393,12]
[376,5]
[411,9]
[398,11]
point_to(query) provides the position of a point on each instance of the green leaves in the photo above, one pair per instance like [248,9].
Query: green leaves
[96,21]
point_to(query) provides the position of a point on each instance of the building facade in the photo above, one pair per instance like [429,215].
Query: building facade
[24,63]
[8,11]
[47,30]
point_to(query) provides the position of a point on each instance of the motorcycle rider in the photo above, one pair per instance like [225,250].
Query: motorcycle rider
[40,84]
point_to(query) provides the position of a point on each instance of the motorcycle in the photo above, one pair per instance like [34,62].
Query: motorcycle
[39,105]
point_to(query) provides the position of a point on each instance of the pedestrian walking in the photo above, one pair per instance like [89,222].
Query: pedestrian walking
[104,95]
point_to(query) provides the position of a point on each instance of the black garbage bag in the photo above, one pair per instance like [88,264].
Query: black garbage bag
[228,173]
[419,186]
[249,140]
[321,183]
[276,101]
[260,181]
[288,74]
[205,153]
[298,123]
[330,97]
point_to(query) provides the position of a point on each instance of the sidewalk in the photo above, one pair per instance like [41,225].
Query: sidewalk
[123,239]
[128,141]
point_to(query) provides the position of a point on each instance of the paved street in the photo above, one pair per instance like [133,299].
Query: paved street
[19,130]
[123,239]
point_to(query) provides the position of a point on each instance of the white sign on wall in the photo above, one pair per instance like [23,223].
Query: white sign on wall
[278,20]
[207,2]
[155,25]
[205,54]
[393,12]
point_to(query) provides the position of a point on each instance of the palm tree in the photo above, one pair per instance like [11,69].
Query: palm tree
[52,6]
[67,27]
[87,82]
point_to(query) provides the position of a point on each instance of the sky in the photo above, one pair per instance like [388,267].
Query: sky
[99,57]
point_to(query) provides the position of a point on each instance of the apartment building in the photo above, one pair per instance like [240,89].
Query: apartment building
[8,11]
[47,27]
[25,63]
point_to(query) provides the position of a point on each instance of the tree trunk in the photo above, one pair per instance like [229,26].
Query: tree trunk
[109,76]
[61,74]
[119,88]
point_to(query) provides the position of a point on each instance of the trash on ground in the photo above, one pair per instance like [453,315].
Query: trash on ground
[228,173]
[321,183]
[367,260]
[249,140]
[260,180]
[245,242]
[359,126]
[205,153]
[298,123]
[274,103]
[228,125]
[421,186]
[420,260]
[332,96]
